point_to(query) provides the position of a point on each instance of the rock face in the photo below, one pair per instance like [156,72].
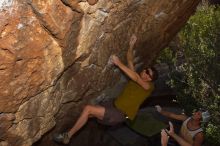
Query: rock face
[54,55]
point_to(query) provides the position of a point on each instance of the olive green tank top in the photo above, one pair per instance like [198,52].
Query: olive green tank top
[132,97]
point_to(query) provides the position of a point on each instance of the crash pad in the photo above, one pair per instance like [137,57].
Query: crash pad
[146,124]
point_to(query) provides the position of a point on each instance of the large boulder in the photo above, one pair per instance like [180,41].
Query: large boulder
[54,55]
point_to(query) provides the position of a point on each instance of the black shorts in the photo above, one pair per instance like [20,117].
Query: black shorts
[112,116]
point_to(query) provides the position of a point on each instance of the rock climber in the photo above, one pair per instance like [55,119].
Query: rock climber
[126,105]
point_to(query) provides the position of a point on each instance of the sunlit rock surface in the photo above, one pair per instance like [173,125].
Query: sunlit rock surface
[54,56]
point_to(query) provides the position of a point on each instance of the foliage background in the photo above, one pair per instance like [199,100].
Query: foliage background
[194,60]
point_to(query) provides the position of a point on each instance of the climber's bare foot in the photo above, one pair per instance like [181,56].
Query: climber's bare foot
[92,2]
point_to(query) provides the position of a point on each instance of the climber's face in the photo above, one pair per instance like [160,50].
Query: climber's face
[146,74]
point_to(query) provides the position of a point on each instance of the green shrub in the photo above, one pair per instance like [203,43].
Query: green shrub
[195,65]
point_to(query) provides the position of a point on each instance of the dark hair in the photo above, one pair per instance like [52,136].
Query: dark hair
[154,76]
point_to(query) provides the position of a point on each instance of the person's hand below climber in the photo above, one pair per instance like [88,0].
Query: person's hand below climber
[171,131]
[164,138]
